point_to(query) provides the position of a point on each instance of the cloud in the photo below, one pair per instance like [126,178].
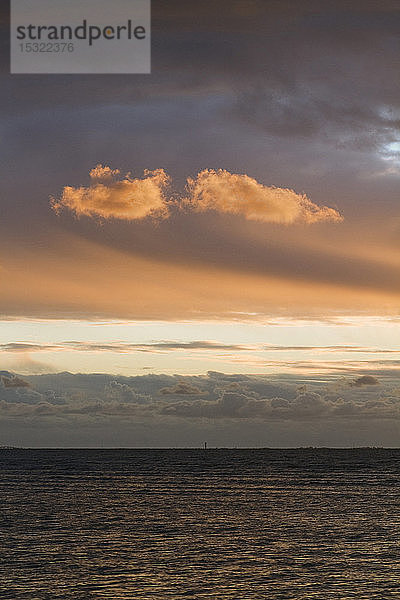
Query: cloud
[220,277]
[182,388]
[110,197]
[22,347]
[25,347]
[21,361]
[121,391]
[195,345]
[364,380]
[14,382]
[305,406]
[242,195]
[162,346]
[74,401]
[246,405]
[130,199]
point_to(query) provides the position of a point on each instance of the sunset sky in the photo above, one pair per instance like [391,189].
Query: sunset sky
[235,212]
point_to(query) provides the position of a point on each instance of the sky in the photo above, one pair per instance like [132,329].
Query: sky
[234,212]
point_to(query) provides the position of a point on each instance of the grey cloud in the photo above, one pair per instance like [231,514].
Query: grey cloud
[122,347]
[249,51]
[305,406]
[18,395]
[13,382]
[125,393]
[25,347]
[215,397]
[250,58]
[181,388]
[172,345]
[344,348]
[364,380]
[196,345]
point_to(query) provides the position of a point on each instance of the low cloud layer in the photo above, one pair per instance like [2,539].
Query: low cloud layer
[110,197]
[212,396]
[67,409]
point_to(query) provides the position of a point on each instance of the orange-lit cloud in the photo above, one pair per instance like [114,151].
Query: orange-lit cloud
[242,195]
[109,196]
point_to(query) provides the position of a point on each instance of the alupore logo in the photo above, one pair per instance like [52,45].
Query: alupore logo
[55,37]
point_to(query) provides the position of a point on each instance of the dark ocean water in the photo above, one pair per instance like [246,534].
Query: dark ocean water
[221,524]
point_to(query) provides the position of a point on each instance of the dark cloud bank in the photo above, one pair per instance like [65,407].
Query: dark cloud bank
[151,410]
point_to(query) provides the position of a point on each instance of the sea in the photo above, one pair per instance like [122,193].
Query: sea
[215,524]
